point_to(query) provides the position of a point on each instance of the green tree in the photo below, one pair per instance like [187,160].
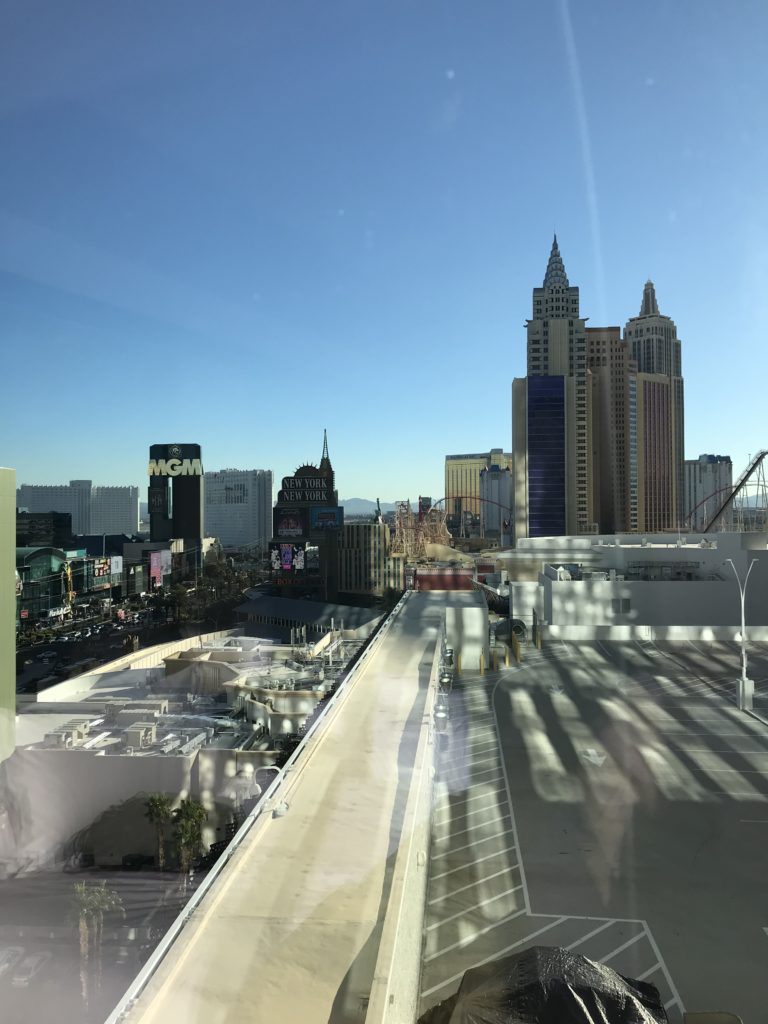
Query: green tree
[189,818]
[179,601]
[81,910]
[103,901]
[90,903]
[158,810]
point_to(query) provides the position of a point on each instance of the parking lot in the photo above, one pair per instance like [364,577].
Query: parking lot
[38,927]
[608,798]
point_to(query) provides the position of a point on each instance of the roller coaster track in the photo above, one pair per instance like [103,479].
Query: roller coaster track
[738,486]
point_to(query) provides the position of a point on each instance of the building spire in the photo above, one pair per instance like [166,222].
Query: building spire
[650,306]
[325,458]
[555,276]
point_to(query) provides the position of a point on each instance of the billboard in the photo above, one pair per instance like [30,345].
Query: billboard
[286,557]
[330,518]
[116,565]
[102,567]
[175,460]
[312,559]
[166,561]
[290,522]
[308,486]
[155,569]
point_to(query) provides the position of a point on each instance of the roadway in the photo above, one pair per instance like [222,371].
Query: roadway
[612,799]
[290,929]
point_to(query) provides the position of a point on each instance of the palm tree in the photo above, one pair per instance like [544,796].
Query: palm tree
[103,901]
[90,903]
[81,908]
[189,817]
[158,811]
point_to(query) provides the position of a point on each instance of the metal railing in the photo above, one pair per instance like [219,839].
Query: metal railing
[265,806]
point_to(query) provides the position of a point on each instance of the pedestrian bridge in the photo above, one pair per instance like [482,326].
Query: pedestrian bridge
[307,919]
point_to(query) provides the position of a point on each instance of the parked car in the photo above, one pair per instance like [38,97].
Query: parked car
[28,968]
[9,957]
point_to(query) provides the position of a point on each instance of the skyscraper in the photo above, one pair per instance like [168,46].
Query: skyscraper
[74,498]
[658,411]
[115,510]
[93,509]
[708,482]
[551,415]
[462,479]
[238,507]
[609,362]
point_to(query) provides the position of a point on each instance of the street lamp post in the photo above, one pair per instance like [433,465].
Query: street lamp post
[745,685]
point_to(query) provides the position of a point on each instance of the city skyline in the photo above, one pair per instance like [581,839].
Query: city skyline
[253,225]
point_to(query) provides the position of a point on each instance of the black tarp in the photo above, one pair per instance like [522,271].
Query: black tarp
[548,985]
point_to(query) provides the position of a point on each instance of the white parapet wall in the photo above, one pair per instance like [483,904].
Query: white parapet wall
[620,634]
[394,997]
[149,657]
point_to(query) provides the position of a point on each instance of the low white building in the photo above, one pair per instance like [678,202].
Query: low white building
[627,587]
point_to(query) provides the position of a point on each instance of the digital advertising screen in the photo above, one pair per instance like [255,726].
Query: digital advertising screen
[331,518]
[156,568]
[287,557]
[289,522]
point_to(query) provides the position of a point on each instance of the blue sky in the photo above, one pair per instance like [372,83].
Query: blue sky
[239,223]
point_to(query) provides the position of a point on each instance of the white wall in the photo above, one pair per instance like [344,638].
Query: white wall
[151,657]
[523,598]
[50,795]
[466,630]
[651,603]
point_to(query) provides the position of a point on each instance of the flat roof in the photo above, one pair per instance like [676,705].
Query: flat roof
[310,611]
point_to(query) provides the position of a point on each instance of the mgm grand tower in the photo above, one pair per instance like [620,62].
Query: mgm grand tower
[176,494]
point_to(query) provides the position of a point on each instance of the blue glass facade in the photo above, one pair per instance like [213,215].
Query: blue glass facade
[546,457]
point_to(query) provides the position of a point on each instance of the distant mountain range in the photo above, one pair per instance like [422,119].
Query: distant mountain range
[365,507]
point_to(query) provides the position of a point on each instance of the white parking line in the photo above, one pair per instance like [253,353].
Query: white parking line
[510,804]
[471,863]
[471,799]
[491,821]
[482,760]
[484,748]
[493,956]
[626,945]
[667,976]
[648,973]
[483,771]
[468,846]
[475,906]
[595,931]
[469,939]
[477,881]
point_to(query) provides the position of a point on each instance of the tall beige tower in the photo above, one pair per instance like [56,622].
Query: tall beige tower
[7,612]
[552,415]
[609,361]
[462,479]
[658,411]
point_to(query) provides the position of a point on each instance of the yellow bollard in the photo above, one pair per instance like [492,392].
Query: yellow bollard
[482,664]
[506,656]
[458,664]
